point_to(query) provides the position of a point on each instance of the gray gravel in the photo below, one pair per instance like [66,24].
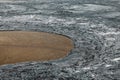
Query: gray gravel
[93,25]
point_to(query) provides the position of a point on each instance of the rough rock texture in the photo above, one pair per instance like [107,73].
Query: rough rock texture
[93,25]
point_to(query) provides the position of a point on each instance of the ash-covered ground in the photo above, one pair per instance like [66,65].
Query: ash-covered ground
[93,25]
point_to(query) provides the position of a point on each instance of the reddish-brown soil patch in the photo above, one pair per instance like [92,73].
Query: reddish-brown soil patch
[21,46]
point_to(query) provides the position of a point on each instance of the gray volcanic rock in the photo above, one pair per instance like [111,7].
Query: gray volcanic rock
[93,25]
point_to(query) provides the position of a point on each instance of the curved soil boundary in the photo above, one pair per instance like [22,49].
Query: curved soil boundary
[21,46]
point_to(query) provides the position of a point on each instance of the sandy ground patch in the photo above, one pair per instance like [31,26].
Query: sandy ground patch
[21,46]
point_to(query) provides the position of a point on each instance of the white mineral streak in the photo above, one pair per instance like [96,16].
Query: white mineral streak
[86,68]
[109,33]
[111,14]
[108,65]
[116,59]
[87,7]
